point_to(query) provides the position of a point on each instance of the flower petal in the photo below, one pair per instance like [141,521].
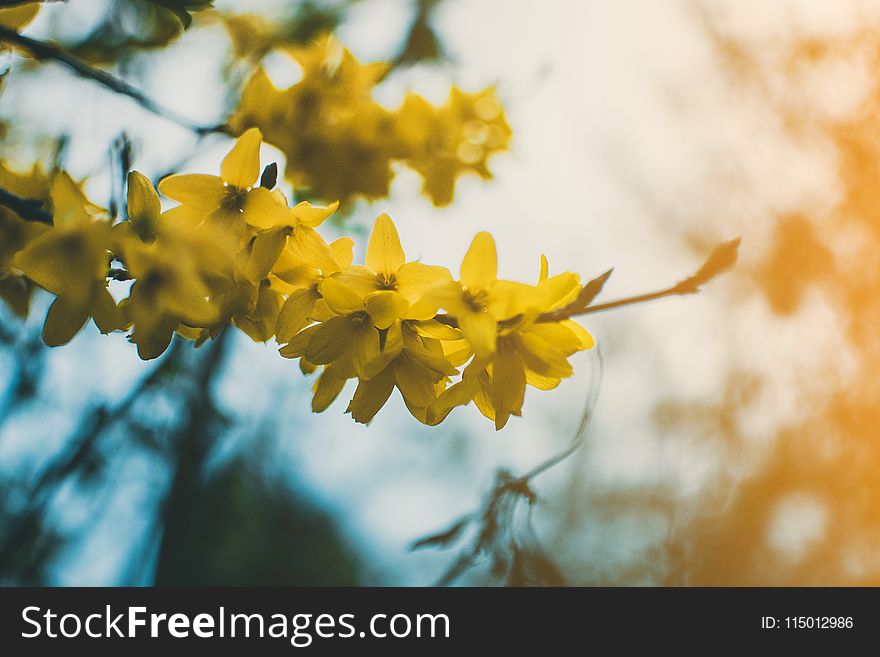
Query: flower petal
[330,341]
[479,269]
[415,383]
[415,279]
[266,248]
[105,312]
[371,396]
[384,253]
[241,167]
[343,251]
[327,388]
[342,299]
[265,209]
[310,247]
[294,315]
[64,320]
[143,202]
[312,215]
[480,330]
[384,307]
[508,383]
[199,190]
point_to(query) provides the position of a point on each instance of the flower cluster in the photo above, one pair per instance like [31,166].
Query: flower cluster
[235,252]
[341,144]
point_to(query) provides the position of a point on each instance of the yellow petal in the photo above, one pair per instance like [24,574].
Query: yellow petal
[384,253]
[105,312]
[64,320]
[152,332]
[143,203]
[553,336]
[265,250]
[508,384]
[342,299]
[366,356]
[327,388]
[434,329]
[540,381]
[265,209]
[69,202]
[294,315]
[448,296]
[415,279]
[371,396]
[543,359]
[385,307]
[69,260]
[510,298]
[428,352]
[203,192]
[560,290]
[260,324]
[241,167]
[374,355]
[545,269]
[586,338]
[358,278]
[330,340]
[343,251]
[310,215]
[310,247]
[480,330]
[415,383]
[299,343]
[479,269]
[459,394]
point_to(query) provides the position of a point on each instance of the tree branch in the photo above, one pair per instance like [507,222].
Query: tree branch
[722,258]
[43,51]
[496,517]
[26,208]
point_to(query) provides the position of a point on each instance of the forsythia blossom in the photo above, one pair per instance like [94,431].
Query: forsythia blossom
[235,252]
[341,144]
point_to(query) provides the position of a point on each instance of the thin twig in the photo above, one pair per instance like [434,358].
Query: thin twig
[26,208]
[560,315]
[48,51]
[502,502]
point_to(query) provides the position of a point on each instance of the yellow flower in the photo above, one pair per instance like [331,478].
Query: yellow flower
[173,286]
[390,287]
[301,283]
[527,351]
[227,202]
[269,213]
[479,301]
[335,136]
[443,143]
[413,363]
[71,261]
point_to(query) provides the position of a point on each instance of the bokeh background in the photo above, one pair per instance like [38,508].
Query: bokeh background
[734,437]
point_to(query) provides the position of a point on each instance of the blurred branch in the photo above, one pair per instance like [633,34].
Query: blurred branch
[43,51]
[177,513]
[26,208]
[77,451]
[722,258]
[496,517]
